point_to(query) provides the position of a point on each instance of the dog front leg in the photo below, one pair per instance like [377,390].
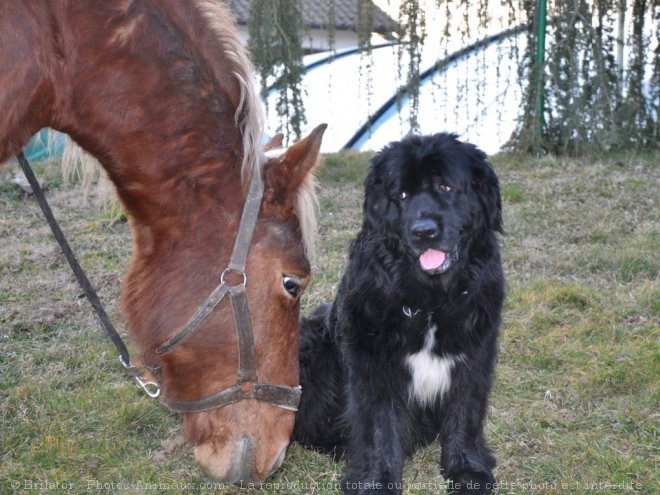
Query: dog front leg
[374,419]
[466,461]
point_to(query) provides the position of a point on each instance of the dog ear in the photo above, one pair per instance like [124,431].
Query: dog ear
[485,181]
[375,198]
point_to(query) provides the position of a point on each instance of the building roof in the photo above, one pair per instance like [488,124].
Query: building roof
[315,15]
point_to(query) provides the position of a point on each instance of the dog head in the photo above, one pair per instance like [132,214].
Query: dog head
[430,198]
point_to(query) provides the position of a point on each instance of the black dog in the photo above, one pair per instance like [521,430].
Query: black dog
[406,353]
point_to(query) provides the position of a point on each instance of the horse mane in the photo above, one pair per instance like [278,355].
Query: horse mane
[249,115]
[306,207]
[222,45]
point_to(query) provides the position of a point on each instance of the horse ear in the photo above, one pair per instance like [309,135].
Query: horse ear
[284,175]
[277,141]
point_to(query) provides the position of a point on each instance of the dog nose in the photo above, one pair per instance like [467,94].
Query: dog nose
[425,229]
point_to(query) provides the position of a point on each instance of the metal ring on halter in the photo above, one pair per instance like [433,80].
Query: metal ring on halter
[152,389]
[237,272]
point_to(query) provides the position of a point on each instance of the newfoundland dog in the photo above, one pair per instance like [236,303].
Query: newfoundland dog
[405,354]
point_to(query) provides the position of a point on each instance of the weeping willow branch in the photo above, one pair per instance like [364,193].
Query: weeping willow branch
[412,33]
[332,23]
[635,109]
[276,30]
[595,98]
[595,101]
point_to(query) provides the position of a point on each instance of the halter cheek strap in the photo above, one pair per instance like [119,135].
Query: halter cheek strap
[247,384]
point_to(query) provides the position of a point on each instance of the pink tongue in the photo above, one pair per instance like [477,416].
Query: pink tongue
[431,259]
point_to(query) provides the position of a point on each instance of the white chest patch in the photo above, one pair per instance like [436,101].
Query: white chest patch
[431,374]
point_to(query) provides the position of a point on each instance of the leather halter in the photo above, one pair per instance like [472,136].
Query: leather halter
[247,384]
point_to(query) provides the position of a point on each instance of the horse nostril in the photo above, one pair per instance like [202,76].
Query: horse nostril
[425,229]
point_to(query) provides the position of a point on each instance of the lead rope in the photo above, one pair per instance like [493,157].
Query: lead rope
[150,388]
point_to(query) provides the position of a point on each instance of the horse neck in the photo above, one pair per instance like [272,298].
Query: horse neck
[137,91]
[148,89]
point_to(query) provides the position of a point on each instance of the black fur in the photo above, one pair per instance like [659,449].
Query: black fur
[354,373]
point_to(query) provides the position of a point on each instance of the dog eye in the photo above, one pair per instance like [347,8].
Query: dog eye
[403,195]
[445,188]
[292,286]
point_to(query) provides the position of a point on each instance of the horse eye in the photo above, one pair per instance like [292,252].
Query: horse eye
[291,285]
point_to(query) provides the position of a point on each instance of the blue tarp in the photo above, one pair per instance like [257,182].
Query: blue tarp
[38,149]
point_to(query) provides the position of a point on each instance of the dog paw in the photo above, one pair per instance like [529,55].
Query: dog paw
[470,484]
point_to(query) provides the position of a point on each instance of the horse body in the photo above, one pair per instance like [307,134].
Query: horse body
[161,93]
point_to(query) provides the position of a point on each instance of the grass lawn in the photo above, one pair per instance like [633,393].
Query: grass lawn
[576,404]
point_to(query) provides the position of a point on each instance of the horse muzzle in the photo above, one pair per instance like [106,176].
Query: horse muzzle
[241,462]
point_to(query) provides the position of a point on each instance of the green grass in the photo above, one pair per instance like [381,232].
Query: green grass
[575,405]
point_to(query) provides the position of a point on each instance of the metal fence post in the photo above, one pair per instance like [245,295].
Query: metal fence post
[541,14]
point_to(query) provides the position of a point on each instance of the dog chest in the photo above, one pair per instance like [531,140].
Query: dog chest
[430,373]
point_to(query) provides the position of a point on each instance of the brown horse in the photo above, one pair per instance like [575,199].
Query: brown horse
[161,93]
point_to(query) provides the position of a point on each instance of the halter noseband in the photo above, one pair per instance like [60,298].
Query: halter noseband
[247,384]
